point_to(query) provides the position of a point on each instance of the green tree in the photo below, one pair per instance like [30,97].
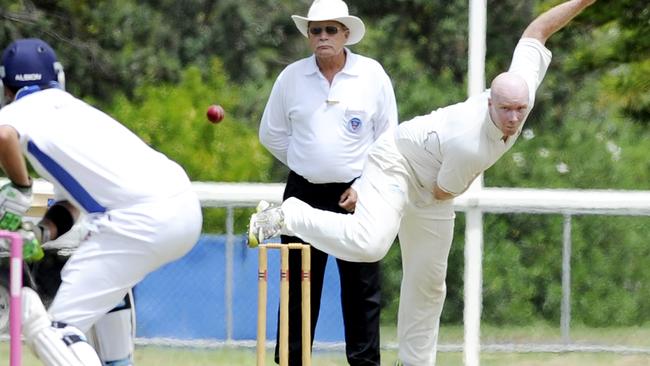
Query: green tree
[172,118]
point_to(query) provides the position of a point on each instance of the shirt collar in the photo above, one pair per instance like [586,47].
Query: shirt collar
[351,65]
[30,89]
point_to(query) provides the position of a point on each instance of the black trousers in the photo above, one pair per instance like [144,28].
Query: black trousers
[360,285]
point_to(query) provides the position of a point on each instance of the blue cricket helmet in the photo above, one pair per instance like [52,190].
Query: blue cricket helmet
[30,61]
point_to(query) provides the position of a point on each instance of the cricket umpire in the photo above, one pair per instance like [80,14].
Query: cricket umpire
[323,114]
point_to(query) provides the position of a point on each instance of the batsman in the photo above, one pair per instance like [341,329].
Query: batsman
[139,209]
[411,178]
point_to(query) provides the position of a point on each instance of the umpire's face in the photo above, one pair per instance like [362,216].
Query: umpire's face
[327,38]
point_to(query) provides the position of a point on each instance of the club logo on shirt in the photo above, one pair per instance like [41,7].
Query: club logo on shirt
[354,124]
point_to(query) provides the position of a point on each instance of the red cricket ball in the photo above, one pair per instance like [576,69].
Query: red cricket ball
[215,113]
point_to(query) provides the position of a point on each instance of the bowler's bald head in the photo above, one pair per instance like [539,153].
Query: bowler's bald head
[509,86]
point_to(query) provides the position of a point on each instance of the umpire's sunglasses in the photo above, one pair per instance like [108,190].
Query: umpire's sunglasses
[330,29]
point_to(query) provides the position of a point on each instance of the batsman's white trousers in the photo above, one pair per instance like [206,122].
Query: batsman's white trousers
[390,203]
[123,246]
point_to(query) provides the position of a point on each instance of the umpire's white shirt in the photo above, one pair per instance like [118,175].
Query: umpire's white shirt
[91,159]
[453,145]
[322,131]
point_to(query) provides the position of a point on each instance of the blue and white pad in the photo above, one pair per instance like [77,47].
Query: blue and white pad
[113,335]
[55,344]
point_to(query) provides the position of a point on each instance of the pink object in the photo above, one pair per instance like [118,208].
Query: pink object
[15,286]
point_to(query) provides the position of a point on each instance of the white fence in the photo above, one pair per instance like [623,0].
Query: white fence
[493,200]
[541,201]
[475,202]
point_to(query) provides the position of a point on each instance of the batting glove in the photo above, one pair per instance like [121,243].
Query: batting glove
[32,236]
[14,203]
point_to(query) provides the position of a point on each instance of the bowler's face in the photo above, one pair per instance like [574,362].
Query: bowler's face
[329,40]
[508,102]
[508,113]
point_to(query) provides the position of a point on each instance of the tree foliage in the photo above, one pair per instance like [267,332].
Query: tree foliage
[173,117]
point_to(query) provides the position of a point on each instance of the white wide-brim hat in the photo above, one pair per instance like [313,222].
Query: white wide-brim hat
[337,10]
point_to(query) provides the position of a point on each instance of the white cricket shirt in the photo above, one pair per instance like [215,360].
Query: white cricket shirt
[91,159]
[453,145]
[323,132]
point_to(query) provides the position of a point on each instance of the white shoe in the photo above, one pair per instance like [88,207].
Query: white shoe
[265,224]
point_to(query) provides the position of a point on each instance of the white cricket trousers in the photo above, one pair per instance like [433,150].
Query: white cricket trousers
[388,205]
[123,246]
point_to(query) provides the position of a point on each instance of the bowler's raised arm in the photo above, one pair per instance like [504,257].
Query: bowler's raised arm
[555,19]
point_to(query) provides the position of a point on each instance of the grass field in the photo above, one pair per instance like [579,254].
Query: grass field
[630,337]
[156,356]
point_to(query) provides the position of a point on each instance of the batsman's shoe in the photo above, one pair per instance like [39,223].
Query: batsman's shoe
[265,224]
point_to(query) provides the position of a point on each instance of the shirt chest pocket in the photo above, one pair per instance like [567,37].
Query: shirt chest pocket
[356,121]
